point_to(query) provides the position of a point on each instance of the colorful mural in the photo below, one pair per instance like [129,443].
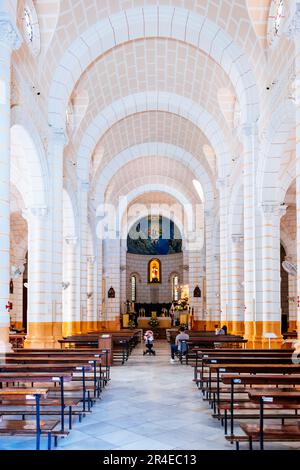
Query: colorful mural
[154,235]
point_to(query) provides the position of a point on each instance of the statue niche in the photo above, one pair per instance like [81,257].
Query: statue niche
[154,271]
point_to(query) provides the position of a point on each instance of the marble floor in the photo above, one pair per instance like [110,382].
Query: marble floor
[149,404]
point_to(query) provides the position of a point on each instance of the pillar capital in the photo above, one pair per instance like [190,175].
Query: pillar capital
[248,129]
[222,183]
[71,241]
[84,186]
[209,213]
[274,209]
[237,238]
[59,136]
[35,212]
[9,34]
[91,260]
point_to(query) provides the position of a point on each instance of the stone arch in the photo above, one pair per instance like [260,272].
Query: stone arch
[162,21]
[155,148]
[29,168]
[137,275]
[179,197]
[271,156]
[153,101]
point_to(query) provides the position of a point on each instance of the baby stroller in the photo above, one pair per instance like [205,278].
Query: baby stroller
[149,340]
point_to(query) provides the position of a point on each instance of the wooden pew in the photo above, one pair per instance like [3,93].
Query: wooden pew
[47,378]
[98,353]
[278,359]
[123,343]
[212,353]
[71,359]
[64,367]
[234,380]
[272,433]
[18,427]
[213,341]
[61,377]
[250,368]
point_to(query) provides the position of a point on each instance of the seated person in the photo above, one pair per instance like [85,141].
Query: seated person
[174,347]
[149,340]
[222,331]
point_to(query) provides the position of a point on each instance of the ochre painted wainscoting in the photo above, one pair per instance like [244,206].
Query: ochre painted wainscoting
[113,325]
[41,335]
[254,333]
[18,325]
[202,325]
[293,325]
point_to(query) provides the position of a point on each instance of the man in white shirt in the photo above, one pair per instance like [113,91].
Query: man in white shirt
[182,336]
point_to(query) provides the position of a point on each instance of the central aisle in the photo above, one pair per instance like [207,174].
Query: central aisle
[149,404]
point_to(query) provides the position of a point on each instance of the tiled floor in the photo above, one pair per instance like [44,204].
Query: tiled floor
[149,404]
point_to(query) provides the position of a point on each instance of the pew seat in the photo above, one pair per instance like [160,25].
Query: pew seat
[272,433]
[13,427]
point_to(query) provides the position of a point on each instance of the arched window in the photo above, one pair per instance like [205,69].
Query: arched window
[175,288]
[133,288]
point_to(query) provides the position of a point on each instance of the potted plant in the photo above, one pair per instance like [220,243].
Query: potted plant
[131,324]
[153,323]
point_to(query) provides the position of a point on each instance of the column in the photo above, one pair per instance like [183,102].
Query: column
[249,140]
[95,293]
[9,40]
[83,191]
[236,315]
[271,307]
[100,290]
[294,34]
[71,310]
[91,326]
[57,143]
[123,274]
[222,185]
[112,280]
[39,311]
[212,313]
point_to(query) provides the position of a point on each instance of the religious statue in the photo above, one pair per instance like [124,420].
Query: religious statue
[154,271]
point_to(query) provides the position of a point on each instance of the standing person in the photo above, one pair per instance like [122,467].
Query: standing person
[174,347]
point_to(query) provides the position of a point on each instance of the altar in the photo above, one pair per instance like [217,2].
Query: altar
[164,322]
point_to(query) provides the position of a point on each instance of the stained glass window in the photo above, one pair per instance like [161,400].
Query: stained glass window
[133,288]
[175,287]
